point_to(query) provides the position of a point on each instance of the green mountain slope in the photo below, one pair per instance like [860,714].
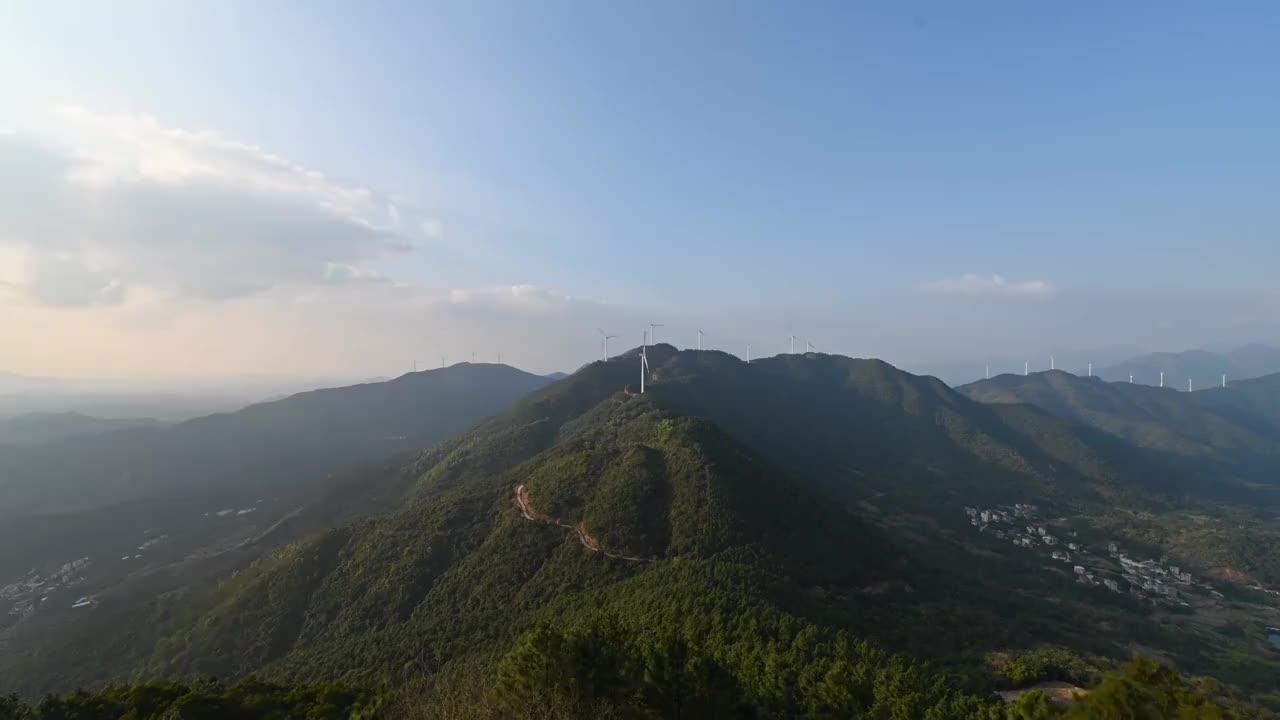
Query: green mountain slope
[265,448]
[636,495]
[1223,434]
[751,508]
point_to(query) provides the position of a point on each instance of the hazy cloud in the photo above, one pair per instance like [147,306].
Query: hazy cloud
[96,205]
[974,285]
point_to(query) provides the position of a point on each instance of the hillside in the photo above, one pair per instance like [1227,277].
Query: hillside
[263,449]
[144,504]
[741,507]
[1204,368]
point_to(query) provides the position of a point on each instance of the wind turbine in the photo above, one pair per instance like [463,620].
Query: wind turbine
[1053,364]
[1224,379]
[441,361]
[793,344]
[653,332]
[1026,368]
[1188,384]
[604,342]
[644,367]
[809,347]
[1130,378]
[699,339]
[748,353]
[415,366]
[1161,378]
[988,372]
[499,357]
[1090,369]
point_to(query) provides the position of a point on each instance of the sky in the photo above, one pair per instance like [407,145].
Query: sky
[341,189]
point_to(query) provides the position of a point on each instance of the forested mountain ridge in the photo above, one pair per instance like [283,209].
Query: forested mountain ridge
[727,493]
[1228,434]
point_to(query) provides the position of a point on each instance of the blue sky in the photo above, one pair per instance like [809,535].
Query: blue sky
[872,165]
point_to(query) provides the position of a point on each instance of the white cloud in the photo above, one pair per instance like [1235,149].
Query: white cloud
[96,205]
[993,285]
[518,297]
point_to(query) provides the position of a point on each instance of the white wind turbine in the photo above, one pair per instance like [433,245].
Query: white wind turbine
[1188,384]
[1161,378]
[653,332]
[1026,368]
[1090,369]
[604,343]
[644,366]
[1053,364]
[809,347]
[988,376]
[699,339]
[793,344]
[1224,379]
[748,353]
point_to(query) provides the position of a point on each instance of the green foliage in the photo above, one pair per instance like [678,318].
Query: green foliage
[1048,664]
[208,700]
[1144,690]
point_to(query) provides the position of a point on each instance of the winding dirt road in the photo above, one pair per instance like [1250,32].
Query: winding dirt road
[588,542]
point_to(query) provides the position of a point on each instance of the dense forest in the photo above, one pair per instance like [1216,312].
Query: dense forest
[784,538]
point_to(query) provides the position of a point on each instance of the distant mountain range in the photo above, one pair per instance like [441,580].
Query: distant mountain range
[264,449]
[1203,368]
[1229,437]
[39,428]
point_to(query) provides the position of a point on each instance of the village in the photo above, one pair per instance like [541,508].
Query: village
[28,593]
[1149,579]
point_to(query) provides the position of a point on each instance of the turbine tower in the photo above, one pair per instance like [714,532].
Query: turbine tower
[441,361]
[1130,378]
[699,339]
[1224,379]
[604,343]
[1053,364]
[1161,378]
[809,347]
[988,372]
[644,367]
[415,366]
[1188,384]
[1090,369]
[748,353]
[1026,369]
[793,344]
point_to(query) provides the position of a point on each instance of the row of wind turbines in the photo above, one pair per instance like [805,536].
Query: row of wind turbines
[650,337]
[1053,365]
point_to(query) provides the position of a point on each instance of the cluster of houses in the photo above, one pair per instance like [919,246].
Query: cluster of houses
[1154,579]
[27,594]
[992,520]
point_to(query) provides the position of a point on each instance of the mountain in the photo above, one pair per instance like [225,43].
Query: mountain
[763,526]
[39,428]
[262,450]
[138,500]
[1204,368]
[1228,435]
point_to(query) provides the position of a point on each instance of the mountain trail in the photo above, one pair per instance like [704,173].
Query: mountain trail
[588,542]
